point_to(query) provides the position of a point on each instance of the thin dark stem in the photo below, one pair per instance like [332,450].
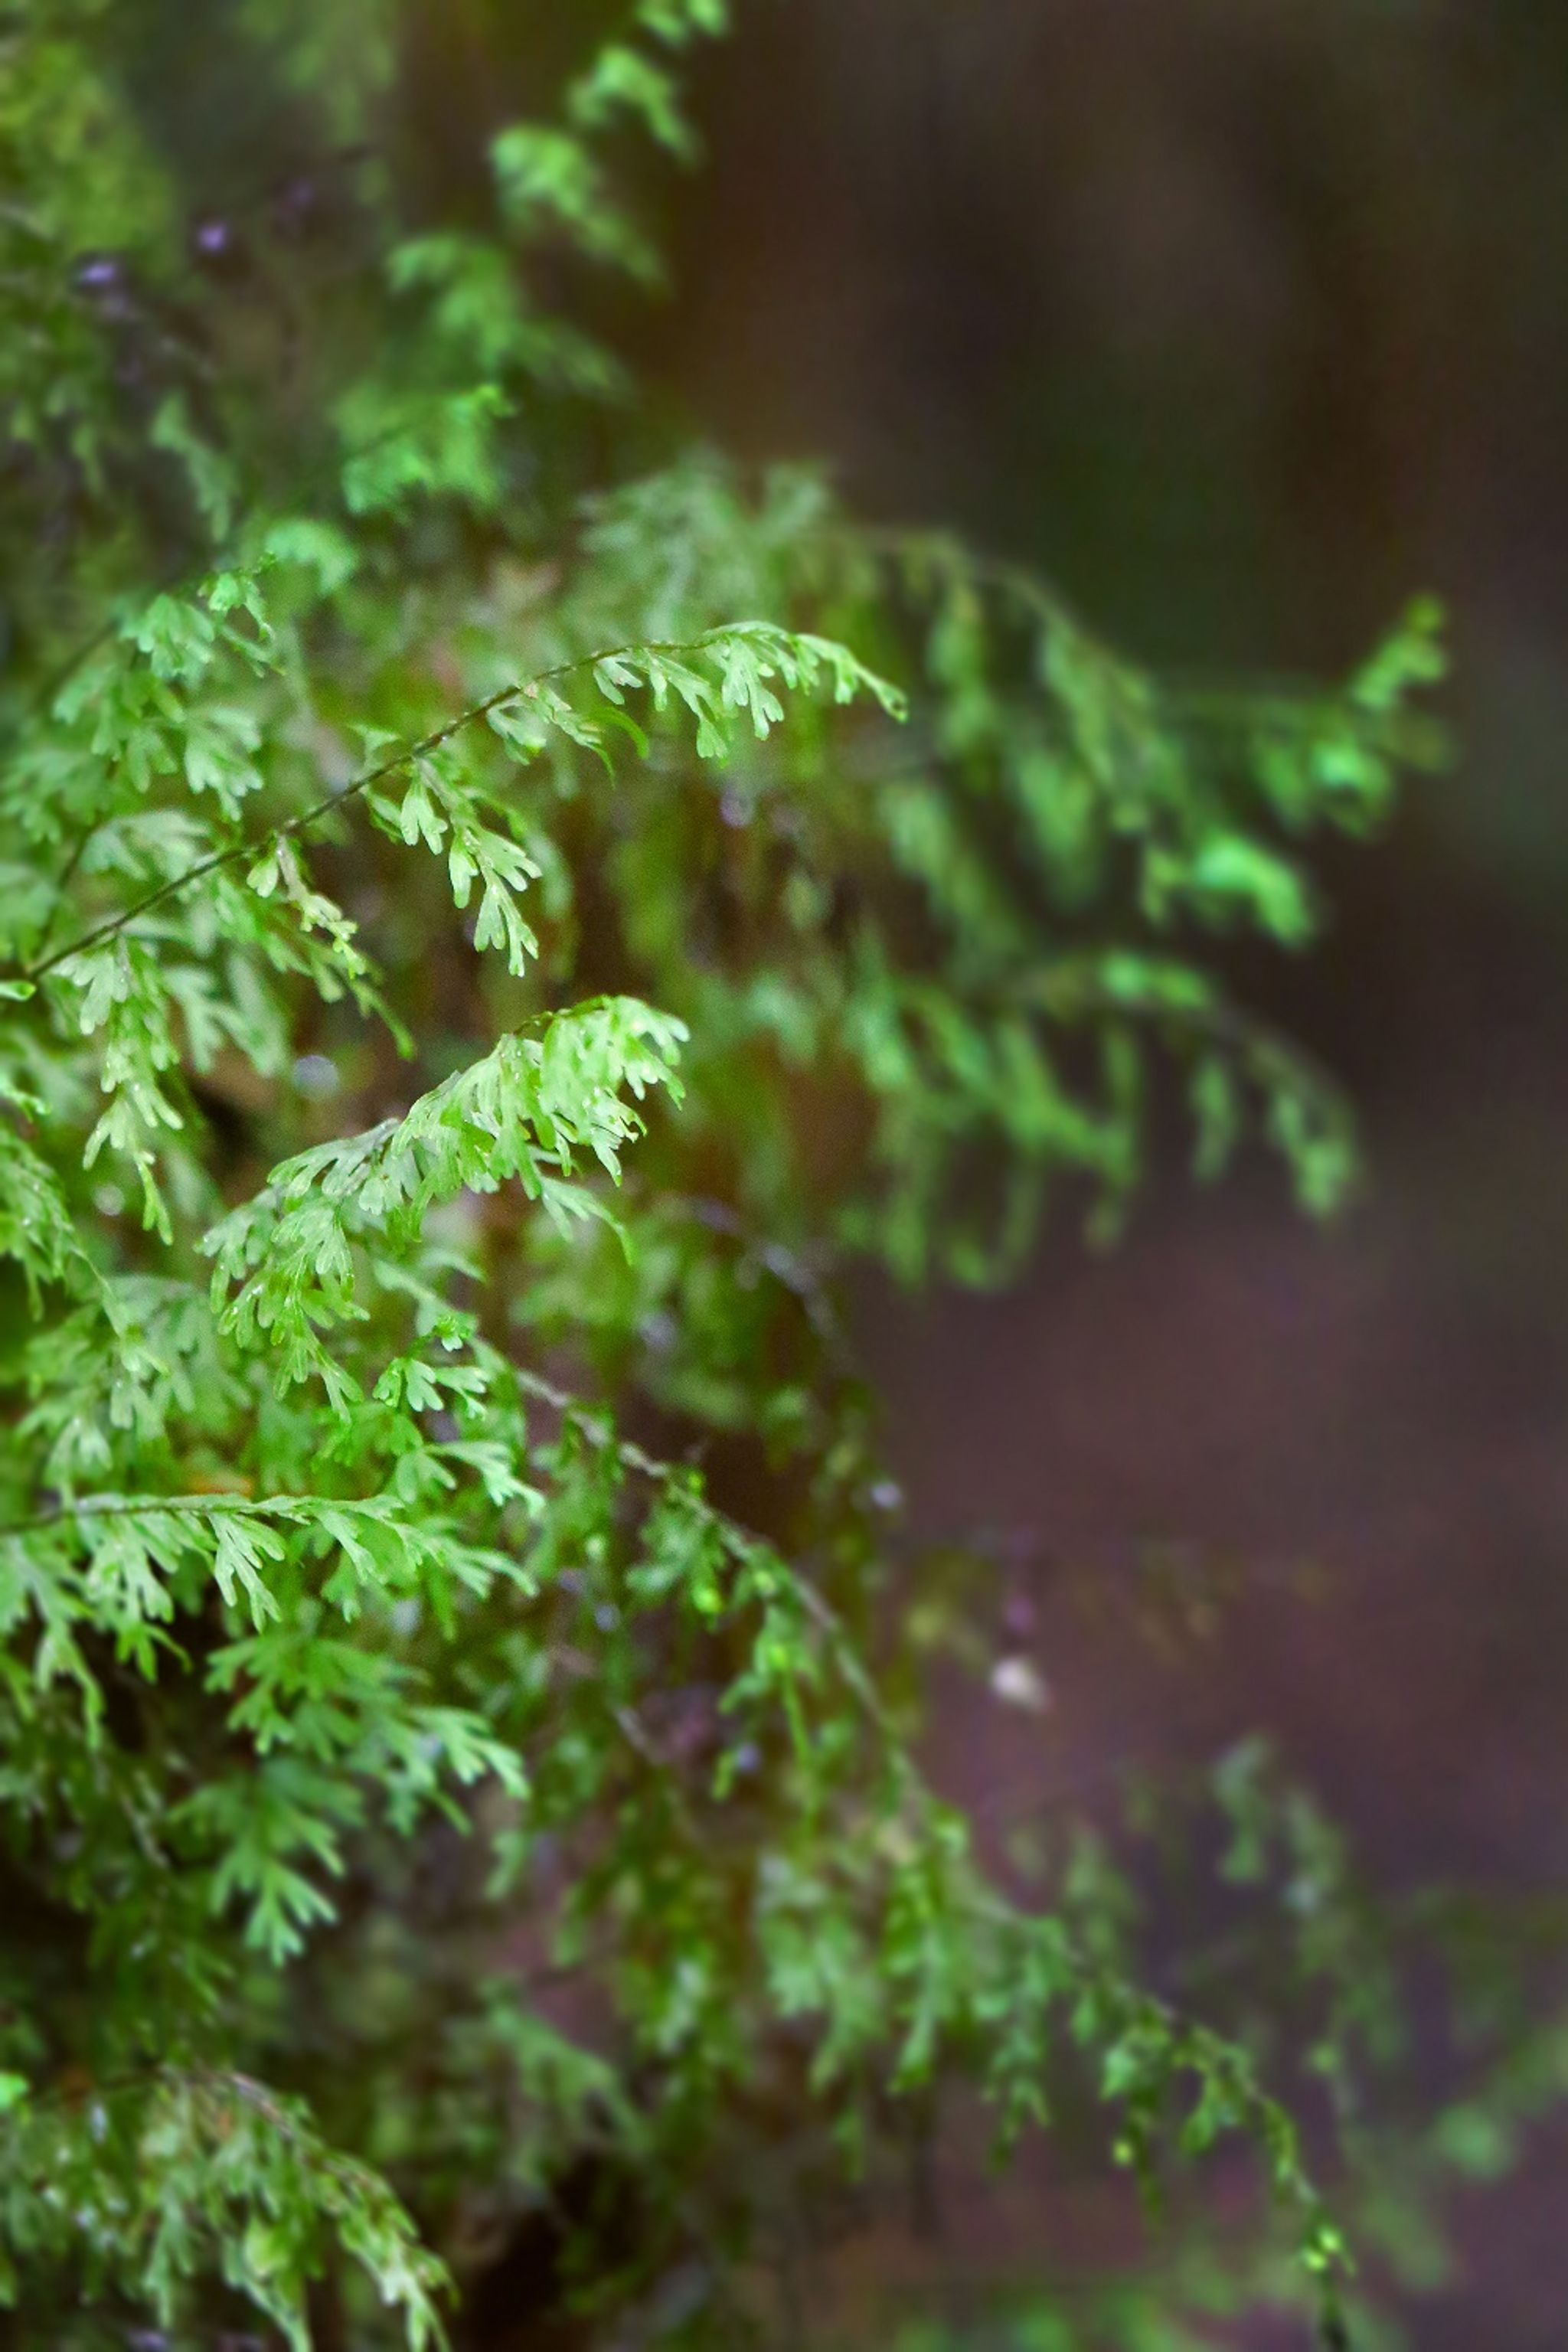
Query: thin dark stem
[148,1507]
[279,833]
[519,690]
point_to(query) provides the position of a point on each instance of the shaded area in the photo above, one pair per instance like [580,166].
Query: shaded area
[1243,321]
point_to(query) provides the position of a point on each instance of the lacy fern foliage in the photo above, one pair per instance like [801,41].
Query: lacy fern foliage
[484,950]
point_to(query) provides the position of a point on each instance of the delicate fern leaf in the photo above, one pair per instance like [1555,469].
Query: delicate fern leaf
[529,1111]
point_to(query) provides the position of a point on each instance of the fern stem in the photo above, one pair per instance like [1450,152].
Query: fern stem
[519,690]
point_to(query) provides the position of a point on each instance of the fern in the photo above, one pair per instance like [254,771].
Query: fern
[516,862]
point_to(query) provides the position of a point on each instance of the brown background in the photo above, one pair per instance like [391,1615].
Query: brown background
[1243,319]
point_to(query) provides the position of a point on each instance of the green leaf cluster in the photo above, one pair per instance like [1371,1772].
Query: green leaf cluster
[481,960]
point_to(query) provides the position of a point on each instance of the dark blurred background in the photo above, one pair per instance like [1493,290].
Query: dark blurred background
[1243,319]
